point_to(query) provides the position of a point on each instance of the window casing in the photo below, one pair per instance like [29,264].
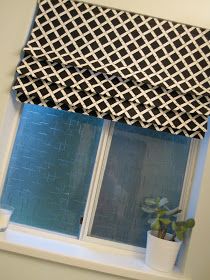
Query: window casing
[97,179]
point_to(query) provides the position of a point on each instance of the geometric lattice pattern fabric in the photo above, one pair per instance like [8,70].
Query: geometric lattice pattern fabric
[117,65]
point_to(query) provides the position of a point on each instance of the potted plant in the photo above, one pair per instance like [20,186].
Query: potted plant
[166,234]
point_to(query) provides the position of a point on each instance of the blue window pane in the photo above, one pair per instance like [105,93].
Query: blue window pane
[51,167]
[141,163]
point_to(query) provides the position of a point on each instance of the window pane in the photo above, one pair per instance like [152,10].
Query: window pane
[51,167]
[141,163]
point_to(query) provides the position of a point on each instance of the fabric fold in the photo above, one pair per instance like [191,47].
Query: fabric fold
[49,102]
[112,86]
[110,105]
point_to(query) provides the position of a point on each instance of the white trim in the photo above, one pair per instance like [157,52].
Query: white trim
[114,244]
[39,232]
[80,254]
[8,132]
[188,178]
[100,176]
[97,177]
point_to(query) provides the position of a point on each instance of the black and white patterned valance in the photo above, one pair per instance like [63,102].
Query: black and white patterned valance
[118,65]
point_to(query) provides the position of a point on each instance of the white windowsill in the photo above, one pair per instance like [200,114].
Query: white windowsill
[82,255]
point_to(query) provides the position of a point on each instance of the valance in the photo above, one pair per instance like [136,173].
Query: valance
[117,65]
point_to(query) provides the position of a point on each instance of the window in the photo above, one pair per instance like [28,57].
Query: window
[65,166]
[50,169]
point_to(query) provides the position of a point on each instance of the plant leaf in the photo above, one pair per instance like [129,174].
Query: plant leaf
[190,223]
[150,201]
[173,212]
[180,223]
[180,235]
[148,209]
[158,200]
[162,212]
[173,226]
[165,221]
[163,201]
[155,225]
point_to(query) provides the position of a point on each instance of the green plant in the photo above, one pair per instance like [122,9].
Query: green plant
[162,219]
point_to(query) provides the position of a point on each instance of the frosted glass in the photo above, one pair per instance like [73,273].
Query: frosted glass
[51,167]
[141,163]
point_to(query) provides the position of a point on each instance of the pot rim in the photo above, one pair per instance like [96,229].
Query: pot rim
[150,232]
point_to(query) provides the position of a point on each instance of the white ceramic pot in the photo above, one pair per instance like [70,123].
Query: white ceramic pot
[5,214]
[161,254]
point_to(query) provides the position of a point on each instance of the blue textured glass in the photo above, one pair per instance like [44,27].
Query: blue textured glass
[141,163]
[51,167]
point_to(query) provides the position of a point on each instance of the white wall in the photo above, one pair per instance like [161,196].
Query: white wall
[15,267]
[192,12]
[15,20]
[15,17]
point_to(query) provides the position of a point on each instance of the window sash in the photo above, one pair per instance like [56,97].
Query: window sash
[97,177]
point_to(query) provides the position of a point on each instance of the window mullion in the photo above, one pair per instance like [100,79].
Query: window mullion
[96,181]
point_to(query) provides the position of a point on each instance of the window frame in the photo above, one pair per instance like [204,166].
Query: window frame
[95,184]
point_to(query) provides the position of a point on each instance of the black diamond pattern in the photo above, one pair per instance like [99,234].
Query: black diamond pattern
[118,65]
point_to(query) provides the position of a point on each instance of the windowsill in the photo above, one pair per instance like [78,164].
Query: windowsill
[83,255]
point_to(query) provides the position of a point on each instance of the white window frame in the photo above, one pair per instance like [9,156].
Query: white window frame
[95,186]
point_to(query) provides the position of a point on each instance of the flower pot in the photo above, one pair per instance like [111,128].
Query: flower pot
[5,214]
[161,254]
